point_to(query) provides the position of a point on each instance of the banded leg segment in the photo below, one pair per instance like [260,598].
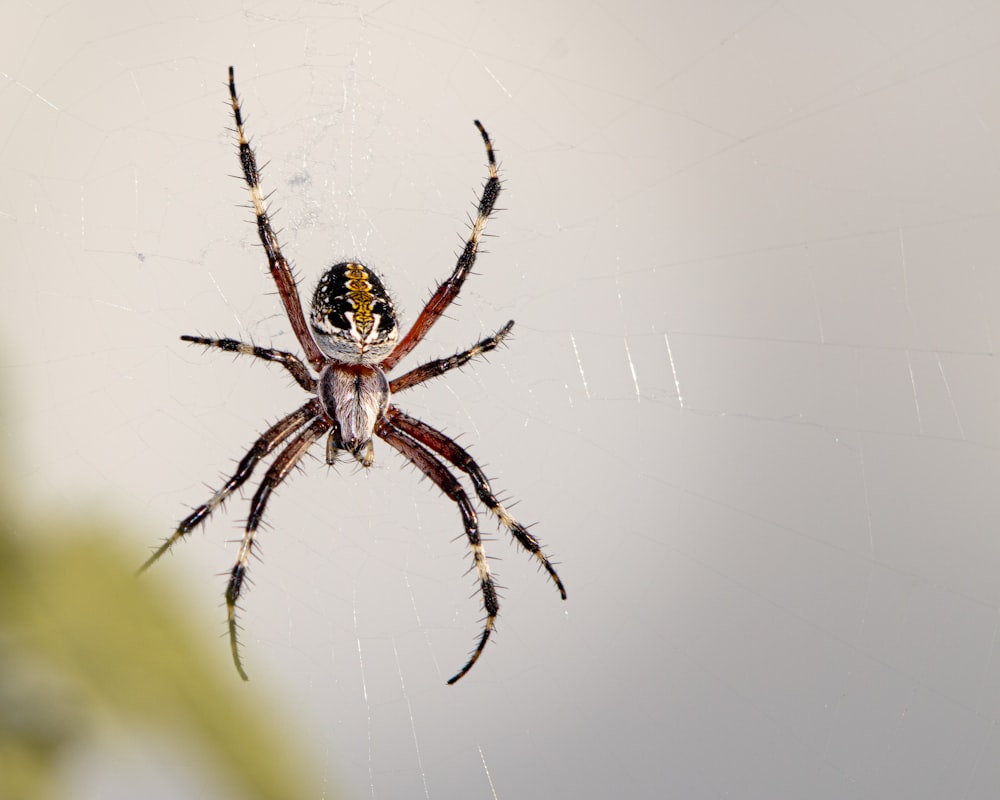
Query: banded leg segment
[449,289]
[298,370]
[438,367]
[273,478]
[280,270]
[267,442]
[434,469]
[450,450]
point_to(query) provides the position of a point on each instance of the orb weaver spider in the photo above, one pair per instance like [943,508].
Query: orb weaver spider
[351,340]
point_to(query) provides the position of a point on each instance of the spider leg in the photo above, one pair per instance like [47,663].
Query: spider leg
[434,469]
[264,445]
[449,289]
[298,370]
[275,474]
[450,450]
[438,367]
[280,270]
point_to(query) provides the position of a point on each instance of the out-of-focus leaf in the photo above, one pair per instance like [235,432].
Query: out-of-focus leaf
[82,639]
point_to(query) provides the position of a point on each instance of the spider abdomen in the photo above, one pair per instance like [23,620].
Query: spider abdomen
[352,318]
[355,397]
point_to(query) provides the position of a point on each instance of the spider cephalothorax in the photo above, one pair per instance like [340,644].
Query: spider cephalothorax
[351,341]
[355,398]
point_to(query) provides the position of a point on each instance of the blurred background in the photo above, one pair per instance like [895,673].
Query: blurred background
[751,402]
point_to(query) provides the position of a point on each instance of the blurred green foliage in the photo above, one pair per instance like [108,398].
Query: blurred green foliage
[85,643]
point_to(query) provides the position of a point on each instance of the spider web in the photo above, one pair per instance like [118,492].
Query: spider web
[751,399]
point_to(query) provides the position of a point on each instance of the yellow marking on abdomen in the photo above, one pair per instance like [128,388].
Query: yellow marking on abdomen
[359,292]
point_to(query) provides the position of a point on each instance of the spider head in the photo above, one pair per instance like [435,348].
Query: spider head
[352,318]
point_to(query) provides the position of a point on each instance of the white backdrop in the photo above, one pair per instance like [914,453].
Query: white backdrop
[751,402]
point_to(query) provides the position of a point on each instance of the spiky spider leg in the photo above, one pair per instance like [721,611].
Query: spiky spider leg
[264,445]
[298,370]
[273,478]
[450,450]
[434,469]
[448,290]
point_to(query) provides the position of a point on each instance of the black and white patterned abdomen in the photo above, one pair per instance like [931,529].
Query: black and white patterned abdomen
[352,317]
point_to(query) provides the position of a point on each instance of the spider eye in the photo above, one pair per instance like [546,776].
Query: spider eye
[352,317]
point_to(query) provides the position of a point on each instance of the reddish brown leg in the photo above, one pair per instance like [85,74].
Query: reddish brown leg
[449,289]
[280,270]
[268,441]
[296,368]
[438,367]
[451,451]
[277,473]
[432,467]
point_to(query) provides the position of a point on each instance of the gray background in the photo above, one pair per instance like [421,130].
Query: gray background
[752,402]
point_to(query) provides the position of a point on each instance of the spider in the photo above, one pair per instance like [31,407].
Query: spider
[351,340]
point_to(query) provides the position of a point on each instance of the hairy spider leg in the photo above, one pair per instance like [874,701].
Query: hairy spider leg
[439,366]
[449,289]
[274,476]
[433,468]
[291,362]
[264,445]
[280,270]
[452,452]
